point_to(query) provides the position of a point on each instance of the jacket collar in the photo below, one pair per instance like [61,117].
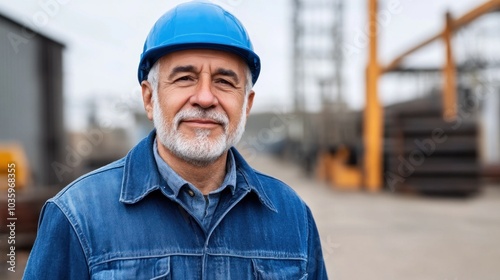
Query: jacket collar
[141,175]
[252,181]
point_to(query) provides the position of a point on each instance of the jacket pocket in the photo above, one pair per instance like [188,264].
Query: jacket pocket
[135,268]
[279,269]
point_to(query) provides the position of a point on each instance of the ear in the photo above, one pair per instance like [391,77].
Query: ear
[250,97]
[147,98]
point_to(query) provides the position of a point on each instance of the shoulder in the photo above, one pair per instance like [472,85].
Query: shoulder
[270,189]
[93,185]
[274,184]
[280,194]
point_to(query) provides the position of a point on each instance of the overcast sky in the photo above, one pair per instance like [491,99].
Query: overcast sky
[104,40]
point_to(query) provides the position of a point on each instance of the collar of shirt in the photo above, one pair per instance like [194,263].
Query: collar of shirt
[176,182]
[141,176]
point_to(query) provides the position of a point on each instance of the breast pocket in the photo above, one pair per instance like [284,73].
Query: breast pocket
[279,269]
[133,269]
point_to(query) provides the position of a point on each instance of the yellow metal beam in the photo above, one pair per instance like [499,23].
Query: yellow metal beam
[449,74]
[373,115]
[456,24]
[395,63]
[489,6]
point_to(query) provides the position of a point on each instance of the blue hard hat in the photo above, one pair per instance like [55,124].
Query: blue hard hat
[197,25]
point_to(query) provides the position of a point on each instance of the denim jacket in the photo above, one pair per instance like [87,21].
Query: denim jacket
[122,222]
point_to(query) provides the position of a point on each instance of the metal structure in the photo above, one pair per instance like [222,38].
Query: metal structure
[392,136]
[454,167]
[449,70]
[317,77]
[373,114]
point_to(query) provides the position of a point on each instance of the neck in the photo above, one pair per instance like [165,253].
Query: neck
[205,178]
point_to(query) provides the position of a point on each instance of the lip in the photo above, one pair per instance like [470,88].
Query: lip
[206,123]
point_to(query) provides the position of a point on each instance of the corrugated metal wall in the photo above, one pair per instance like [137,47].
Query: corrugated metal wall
[31,97]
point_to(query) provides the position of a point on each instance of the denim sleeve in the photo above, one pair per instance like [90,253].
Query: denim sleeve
[57,252]
[315,264]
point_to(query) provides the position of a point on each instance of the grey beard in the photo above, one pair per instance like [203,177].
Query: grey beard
[200,150]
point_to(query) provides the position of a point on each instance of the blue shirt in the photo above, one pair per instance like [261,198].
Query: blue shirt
[197,205]
[123,221]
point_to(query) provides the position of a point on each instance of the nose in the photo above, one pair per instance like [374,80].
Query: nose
[204,96]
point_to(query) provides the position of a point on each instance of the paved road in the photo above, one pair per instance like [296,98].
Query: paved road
[390,236]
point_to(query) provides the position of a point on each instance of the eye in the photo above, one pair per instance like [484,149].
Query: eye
[224,82]
[184,78]
[187,80]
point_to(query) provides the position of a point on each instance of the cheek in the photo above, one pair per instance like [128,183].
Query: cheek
[171,105]
[235,113]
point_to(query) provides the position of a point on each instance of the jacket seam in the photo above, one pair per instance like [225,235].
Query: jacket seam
[91,174]
[97,263]
[298,258]
[79,235]
[309,230]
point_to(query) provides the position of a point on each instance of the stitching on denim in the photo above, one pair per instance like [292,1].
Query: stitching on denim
[79,233]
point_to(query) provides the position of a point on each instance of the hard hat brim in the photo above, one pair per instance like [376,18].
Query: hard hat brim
[149,58]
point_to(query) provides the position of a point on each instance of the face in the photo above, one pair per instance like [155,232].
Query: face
[201,105]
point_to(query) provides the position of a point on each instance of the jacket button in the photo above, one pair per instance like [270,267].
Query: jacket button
[191,193]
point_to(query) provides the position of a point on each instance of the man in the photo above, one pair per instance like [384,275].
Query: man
[183,204]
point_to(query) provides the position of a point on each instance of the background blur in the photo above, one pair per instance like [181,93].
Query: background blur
[383,115]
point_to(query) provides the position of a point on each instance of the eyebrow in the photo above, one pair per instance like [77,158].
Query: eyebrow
[227,72]
[181,69]
[190,68]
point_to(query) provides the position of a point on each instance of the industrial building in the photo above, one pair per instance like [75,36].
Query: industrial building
[32,134]
[31,107]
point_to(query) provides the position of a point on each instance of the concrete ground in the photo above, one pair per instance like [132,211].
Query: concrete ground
[389,236]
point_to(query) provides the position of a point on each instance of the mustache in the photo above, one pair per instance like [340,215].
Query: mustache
[199,113]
